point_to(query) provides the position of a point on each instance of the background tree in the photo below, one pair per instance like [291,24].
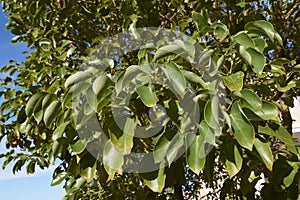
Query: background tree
[255,46]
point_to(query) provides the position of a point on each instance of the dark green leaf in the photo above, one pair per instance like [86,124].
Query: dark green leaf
[242,128]
[59,178]
[243,39]
[195,156]
[51,112]
[264,150]
[32,102]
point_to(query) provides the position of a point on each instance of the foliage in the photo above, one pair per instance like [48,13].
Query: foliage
[255,48]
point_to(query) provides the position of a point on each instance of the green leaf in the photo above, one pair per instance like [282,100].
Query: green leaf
[264,150]
[231,157]
[79,146]
[252,99]
[92,99]
[175,146]
[234,82]
[130,74]
[162,145]
[47,100]
[78,77]
[220,29]
[211,113]
[168,50]
[45,44]
[122,137]
[112,159]
[284,172]
[261,26]
[259,44]
[208,134]
[191,76]
[38,111]
[76,90]
[282,134]
[242,128]
[243,39]
[58,133]
[278,38]
[32,103]
[59,178]
[51,112]
[156,180]
[290,85]
[269,111]
[30,169]
[147,95]
[176,78]
[195,156]
[199,20]
[89,173]
[288,180]
[58,146]
[256,59]
[100,83]
[205,60]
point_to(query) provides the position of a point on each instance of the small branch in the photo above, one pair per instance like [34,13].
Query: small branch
[292,10]
[286,117]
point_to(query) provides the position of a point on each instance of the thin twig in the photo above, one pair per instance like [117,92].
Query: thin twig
[292,10]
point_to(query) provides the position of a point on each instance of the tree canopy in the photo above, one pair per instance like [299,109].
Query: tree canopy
[210,82]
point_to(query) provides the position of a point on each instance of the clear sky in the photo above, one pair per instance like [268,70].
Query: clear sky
[22,186]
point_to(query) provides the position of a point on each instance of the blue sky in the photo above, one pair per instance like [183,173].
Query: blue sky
[22,186]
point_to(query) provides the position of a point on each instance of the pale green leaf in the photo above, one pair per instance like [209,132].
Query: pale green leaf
[234,82]
[168,50]
[78,77]
[176,78]
[147,95]
[112,159]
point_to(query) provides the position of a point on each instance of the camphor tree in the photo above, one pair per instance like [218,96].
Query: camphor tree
[243,80]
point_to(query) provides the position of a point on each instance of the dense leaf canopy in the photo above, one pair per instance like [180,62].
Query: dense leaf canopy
[234,65]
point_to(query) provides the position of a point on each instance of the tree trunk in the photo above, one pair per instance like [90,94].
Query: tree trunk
[286,117]
[178,192]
